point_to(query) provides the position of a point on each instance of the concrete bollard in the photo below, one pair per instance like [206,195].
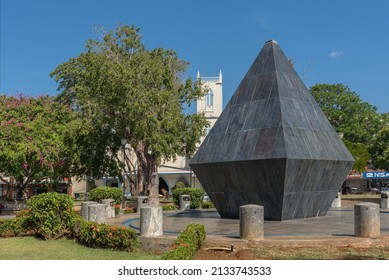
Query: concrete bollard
[151,221]
[110,207]
[251,222]
[367,220]
[184,202]
[337,203]
[97,213]
[84,209]
[142,201]
[384,203]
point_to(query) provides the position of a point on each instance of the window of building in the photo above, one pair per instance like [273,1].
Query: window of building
[209,98]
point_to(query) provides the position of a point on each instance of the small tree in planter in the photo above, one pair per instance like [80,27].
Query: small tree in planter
[196,196]
[100,193]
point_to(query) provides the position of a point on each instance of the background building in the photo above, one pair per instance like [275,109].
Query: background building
[172,172]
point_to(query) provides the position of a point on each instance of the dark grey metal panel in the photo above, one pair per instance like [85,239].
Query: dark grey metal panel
[256,114]
[238,117]
[264,86]
[246,146]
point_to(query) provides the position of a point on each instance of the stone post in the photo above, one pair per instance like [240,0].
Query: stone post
[151,221]
[110,207]
[97,213]
[184,202]
[384,204]
[337,203]
[251,222]
[84,209]
[142,201]
[367,220]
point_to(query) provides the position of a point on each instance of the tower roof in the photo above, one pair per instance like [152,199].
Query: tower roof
[271,115]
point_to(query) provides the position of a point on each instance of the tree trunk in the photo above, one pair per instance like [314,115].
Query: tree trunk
[149,170]
[8,194]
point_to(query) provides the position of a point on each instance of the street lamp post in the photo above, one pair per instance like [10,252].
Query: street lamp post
[124,143]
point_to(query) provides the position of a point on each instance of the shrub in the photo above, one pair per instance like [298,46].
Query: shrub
[50,214]
[187,243]
[196,196]
[97,235]
[100,193]
[169,207]
[207,205]
[13,227]
[129,210]
[117,209]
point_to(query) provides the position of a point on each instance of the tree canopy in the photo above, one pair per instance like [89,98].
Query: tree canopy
[357,121]
[379,148]
[32,140]
[121,90]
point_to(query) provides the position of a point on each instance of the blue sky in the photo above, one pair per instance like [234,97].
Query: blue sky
[330,41]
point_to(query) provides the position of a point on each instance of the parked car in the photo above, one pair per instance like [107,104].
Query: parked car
[374,191]
[353,190]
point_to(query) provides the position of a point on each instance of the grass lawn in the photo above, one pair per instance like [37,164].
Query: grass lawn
[31,248]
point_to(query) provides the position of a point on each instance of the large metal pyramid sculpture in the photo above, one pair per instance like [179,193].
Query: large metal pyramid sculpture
[272,146]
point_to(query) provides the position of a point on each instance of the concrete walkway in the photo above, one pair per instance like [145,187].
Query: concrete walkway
[336,228]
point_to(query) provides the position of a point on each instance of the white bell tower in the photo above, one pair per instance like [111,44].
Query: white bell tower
[212,103]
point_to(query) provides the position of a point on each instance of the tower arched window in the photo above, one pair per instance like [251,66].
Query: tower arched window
[209,98]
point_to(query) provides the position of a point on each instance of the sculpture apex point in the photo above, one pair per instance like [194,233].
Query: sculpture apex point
[271,41]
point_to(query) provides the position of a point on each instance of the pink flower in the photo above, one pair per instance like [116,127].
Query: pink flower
[25,166]
[19,124]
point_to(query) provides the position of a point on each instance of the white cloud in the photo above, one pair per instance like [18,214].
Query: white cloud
[335,54]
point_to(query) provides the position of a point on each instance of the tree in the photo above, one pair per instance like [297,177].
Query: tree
[121,90]
[357,120]
[32,141]
[379,149]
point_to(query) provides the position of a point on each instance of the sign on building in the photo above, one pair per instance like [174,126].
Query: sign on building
[376,175]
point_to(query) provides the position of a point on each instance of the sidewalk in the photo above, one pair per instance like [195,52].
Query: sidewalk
[334,229]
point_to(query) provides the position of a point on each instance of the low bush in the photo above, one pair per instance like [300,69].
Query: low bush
[100,193]
[187,243]
[196,196]
[169,207]
[207,205]
[129,210]
[50,214]
[12,227]
[96,235]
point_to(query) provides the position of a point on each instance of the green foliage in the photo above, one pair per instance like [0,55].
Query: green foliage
[97,235]
[50,214]
[196,196]
[32,140]
[12,227]
[169,207]
[348,114]
[100,193]
[187,243]
[121,90]
[379,149]
[207,205]
[356,120]
[360,154]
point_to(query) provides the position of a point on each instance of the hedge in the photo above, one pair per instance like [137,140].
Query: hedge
[96,235]
[187,243]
